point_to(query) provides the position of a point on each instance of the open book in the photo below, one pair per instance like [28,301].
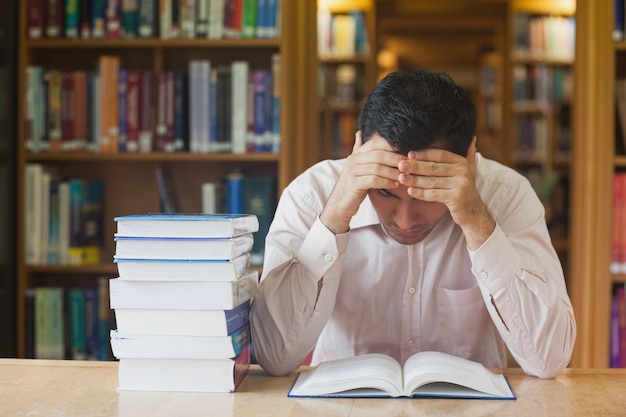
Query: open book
[425,374]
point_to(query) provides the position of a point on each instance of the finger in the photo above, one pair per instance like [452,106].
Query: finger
[358,140]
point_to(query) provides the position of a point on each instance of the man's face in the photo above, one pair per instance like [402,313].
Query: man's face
[405,219]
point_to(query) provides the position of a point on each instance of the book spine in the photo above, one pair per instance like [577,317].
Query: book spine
[234,193]
[35,19]
[81,124]
[77,323]
[130,18]
[275,118]
[180,111]
[239,96]
[98,19]
[161,128]
[147,16]
[122,109]
[91,323]
[68,112]
[216,19]
[132,113]
[84,11]
[248,27]
[145,107]
[165,19]
[72,22]
[54,79]
[169,112]
[202,25]
[113,19]
[259,198]
[54,18]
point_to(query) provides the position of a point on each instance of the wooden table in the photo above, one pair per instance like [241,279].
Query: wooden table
[84,389]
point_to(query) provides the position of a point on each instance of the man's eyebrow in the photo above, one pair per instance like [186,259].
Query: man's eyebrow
[389,193]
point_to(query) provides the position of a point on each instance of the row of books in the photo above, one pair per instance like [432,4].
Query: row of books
[341,35]
[532,134]
[68,323]
[545,36]
[182,301]
[219,108]
[115,19]
[618,327]
[618,237]
[543,83]
[63,218]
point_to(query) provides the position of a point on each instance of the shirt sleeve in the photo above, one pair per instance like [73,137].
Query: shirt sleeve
[523,286]
[288,314]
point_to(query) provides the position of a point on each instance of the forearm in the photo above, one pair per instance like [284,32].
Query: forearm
[295,301]
[523,287]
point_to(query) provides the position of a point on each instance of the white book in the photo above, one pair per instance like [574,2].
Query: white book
[182,248]
[128,345]
[194,225]
[177,322]
[209,198]
[239,99]
[189,295]
[425,374]
[33,204]
[193,375]
[182,269]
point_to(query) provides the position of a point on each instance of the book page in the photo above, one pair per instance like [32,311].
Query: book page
[367,371]
[436,367]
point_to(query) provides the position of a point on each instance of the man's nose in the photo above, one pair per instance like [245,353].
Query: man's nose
[405,216]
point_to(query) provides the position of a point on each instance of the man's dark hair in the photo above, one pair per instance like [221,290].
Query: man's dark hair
[418,109]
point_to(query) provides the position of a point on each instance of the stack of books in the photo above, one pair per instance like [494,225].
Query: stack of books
[182,301]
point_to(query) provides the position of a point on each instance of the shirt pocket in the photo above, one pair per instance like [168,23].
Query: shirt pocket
[464,324]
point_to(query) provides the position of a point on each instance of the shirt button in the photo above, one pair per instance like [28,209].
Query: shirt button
[412,290]
[316,314]
[343,255]
[484,275]
[410,343]
[328,258]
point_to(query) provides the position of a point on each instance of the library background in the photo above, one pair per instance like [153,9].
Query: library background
[215,105]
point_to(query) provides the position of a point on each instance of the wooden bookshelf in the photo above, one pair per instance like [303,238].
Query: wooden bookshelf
[129,177]
[594,162]
[541,95]
[343,79]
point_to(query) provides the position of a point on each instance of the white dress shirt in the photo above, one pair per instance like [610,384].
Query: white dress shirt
[381,296]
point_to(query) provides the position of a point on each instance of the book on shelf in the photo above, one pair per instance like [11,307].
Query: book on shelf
[190,225]
[259,199]
[193,375]
[188,295]
[179,322]
[128,345]
[182,269]
[182,248]
[425,374]
[620,98]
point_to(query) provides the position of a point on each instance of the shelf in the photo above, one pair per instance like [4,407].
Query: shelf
[149,43]
[103,268]
[620,161]
[152,156]
[523,57]
[352,59]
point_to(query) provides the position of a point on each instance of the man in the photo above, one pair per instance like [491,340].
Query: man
[413,242]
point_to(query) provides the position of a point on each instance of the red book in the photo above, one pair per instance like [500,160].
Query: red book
[161,128]
[169,111]
[35,19]
[132,110]
[113,19]
[68,111]
[81,106]
[54,18]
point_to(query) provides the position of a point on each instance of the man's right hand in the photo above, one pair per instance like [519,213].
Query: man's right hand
[372,165]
